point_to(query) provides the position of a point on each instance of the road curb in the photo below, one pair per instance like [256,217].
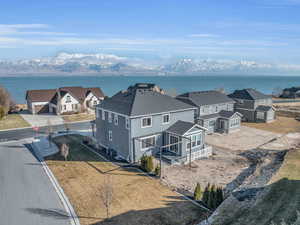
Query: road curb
[60,192]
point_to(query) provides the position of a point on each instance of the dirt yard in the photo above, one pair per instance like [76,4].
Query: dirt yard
[281,125]
[227,162]
[78,117]
[137,199]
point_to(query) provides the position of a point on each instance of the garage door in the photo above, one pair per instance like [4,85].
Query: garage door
[41,109]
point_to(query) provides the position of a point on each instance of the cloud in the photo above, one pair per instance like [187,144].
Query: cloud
[203,35]
[26,29]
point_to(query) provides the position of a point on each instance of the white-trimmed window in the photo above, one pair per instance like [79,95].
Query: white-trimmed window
[166,118]
[147,143]
[116,119]
[109,117]
[127,123]
[196,141]
[103,114]
[68,99]
[146,122]
[110,135]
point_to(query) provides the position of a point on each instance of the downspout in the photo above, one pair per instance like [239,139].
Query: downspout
[58,109]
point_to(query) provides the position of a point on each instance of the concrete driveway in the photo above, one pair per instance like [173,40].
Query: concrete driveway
[40,120]
[27,196]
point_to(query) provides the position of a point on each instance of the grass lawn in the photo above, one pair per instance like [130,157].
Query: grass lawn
[78,117]
[281,125]
[13,121]
[137,199]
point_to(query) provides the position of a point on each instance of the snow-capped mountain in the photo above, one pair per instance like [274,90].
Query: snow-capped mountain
[113,64]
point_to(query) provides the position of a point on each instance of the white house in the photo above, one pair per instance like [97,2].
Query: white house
[64,100]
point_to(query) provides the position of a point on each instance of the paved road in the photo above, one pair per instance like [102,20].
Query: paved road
[28,132]
[27,196]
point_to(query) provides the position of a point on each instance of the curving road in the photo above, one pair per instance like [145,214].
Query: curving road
[18,134]
[27,196]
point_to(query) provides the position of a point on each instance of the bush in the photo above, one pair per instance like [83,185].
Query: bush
[147,163]
[212,196]
[197,192]
[157,170]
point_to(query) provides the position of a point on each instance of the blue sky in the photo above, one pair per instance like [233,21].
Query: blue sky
[260,30]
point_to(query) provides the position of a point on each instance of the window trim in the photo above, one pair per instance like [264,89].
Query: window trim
[169,116]
[127,123]
[116,119]
[146,118]
[68,99]
[103,114]
[110,137]
[145,149]
[110,115]
[196,140]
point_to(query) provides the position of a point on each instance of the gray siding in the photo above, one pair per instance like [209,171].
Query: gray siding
[156,129]
[120,134]
[211,109]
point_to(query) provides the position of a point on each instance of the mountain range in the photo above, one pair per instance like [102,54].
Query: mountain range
[109,64]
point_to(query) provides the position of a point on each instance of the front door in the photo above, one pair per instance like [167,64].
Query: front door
[222,125]
[174,145]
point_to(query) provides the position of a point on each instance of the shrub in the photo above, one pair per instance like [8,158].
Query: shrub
[147,163]
[2,112]
[157,170]
[150,164]
[205,195]
[197,192]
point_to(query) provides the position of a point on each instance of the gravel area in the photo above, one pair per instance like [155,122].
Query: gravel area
[234,160]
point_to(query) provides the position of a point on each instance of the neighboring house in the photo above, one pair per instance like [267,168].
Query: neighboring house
[143,121]
[253,105]
[215,111]
[293,92]
[63,100]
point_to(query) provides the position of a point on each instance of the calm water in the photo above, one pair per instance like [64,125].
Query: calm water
[112,84]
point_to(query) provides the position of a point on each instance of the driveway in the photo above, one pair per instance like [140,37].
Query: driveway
[40,120]
[27,196]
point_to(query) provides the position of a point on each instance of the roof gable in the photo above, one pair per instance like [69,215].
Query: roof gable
[248,94]
[142,101]
[182,127]
[201,98]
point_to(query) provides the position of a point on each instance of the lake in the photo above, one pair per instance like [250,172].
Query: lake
[17,86]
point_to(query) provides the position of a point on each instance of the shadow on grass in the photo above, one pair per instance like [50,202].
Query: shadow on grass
[177,211]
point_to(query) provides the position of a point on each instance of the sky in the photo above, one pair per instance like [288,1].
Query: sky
[260,30]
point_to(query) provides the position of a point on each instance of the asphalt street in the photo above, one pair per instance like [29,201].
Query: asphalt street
[27,196]
[29,132]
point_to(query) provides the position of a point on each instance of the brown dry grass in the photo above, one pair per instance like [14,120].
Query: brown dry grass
[138,199]
[78,117]
[281,125]
[13,121]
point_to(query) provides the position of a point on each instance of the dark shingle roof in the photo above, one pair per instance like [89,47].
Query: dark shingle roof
[205,98]
[222,113]
[248,94]
[142,100]
[263,108]
[47,95]
[180,127]
[210,116]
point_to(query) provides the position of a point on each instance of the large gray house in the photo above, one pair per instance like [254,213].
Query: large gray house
[143,121]
[253,105]
[215,111]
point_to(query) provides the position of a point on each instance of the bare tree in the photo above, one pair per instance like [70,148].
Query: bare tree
[106,194]
[5,100]
[64,151]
